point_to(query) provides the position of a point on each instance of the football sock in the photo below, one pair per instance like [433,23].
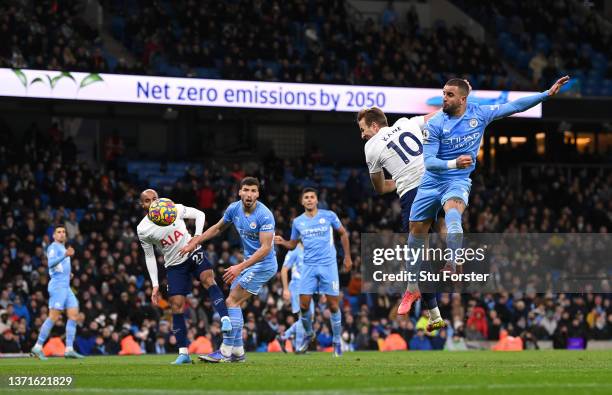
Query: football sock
[429,301]
[434,314]
[70,332]
[45,329]
[306,319]
[218,301]
[336,321]
[454,238]
[234,338]
[180,329]
[299,333]
[292,331]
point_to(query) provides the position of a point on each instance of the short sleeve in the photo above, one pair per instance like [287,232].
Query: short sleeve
[431,133]
[372,158]
[266,222]
[335,221]
[295,233]
[228,215]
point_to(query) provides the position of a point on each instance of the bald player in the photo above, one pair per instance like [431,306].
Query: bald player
[179,268]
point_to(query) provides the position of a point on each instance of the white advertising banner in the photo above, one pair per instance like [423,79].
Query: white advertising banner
[238,94]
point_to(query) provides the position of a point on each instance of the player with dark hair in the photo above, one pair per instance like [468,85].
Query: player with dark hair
[452,139]
[61,296]
[254,223]
[398,149]
[320,269]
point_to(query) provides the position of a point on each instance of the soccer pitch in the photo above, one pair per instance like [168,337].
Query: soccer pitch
[529,372]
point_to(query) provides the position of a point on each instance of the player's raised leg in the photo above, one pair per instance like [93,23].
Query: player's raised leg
[207,278]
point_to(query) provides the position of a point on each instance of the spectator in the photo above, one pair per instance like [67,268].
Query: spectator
[419,342]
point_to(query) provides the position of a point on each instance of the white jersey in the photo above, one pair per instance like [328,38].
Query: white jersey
[399,150]
[168,239]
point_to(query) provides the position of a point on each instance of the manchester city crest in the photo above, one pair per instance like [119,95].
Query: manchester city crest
[473,122]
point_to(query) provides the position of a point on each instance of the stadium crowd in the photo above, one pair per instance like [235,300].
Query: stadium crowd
[42,185]
[315,41]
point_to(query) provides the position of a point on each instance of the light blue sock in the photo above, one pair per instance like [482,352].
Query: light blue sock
[306,319]
[45,329]
[454,238]
[292,331]
[299,334]
[70,332]
[336,324]
[234,338]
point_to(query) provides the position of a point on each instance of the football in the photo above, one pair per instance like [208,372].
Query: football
[162,212]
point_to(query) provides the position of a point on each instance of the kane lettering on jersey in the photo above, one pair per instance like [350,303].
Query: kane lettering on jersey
[399,150]
[249,227]
[59,266]
[317,235]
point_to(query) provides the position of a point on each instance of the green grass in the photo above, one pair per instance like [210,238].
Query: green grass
[529,372]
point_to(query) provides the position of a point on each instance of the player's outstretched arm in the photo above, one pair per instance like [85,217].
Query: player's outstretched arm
[524,103]
[380,184]
[288,244]
[266,241]
[210,233]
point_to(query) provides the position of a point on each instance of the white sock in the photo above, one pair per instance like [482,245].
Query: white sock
[68,349]
[183,350]
[434,314]
[238,351]
[226,350]
[38,346]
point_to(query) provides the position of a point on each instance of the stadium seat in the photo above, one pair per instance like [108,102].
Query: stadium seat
[129,346]
[55,347]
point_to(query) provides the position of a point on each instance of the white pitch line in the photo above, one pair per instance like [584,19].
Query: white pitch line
[405,389]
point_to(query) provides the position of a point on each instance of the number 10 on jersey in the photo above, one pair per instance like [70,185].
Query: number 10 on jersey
[403,149]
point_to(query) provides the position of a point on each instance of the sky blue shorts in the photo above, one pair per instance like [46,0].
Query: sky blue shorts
[62,298]
[254,277]
[433,193]
[322,279]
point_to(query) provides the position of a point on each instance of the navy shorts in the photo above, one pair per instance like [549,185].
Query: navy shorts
[406,204]
[180,276]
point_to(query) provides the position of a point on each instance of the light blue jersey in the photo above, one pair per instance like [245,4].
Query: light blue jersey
[317,235]
[59,266]
[447,138]
[60,295]
[249,227]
